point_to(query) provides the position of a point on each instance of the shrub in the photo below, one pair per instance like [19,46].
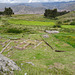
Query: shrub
[72,23]
[29,31]
[5,22]
[57,26]
[26,30]
[59,22]
[0,17]
[14,30]
[66,21]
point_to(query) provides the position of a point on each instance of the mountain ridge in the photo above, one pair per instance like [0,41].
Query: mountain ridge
[38,8]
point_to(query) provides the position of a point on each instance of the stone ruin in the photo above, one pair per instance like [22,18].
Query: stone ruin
[20,44]
[7,66]
[25,44]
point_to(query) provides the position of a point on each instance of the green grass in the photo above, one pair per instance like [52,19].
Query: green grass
[23,22]
[43,57]
[72,23]
[33,17]
[67,18]
[68,26]
[68,38]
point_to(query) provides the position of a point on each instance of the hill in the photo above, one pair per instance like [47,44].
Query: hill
[38,8]
[3,5]
[22,9]
[67,18]
[51,5]
[23,39]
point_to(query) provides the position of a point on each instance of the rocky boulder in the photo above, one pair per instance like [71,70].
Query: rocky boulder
[7,66]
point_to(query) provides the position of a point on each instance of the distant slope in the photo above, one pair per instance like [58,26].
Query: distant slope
[38,8]
[67,18]
[3,5]
[22,9]
[59,5]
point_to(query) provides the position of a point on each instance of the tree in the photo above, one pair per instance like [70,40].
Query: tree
[0,17]
[53,13]
[8,11]
[47,12]
[1,13]
[50,13]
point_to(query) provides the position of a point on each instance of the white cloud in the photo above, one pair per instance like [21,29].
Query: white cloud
[13,1]
[26,1]
[33,1]
[30,1]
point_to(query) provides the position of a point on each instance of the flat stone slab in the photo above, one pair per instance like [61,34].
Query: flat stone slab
[46,36]
[51,32]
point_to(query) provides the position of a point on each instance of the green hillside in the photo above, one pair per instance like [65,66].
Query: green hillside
[67,18]
[35,51]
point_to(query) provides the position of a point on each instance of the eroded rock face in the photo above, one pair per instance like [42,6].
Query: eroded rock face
[7,66]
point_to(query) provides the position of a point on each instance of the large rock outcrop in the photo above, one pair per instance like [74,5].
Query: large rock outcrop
[7,66]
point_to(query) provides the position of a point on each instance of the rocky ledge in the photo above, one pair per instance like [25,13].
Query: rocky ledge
[7,66]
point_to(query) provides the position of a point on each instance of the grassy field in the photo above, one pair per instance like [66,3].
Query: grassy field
[23,22]
[38,58]
[33,17]
[68,38]
[67,18]
[68,26]
[45,60]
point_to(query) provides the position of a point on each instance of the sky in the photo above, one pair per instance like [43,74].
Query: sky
[29,1]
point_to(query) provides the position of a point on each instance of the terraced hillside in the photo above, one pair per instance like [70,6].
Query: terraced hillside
[35,51]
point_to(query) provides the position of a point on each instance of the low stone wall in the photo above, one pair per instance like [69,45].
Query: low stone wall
[7,66]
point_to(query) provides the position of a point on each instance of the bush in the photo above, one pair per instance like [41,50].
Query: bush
[59,22]
[14,30]
[66,21]
[26,30]
[17,31]
[29,31]
[57,26]
[5,22]
[72,23]
[0,17]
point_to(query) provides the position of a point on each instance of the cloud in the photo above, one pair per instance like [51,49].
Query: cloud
[34,1]
[29,1]
[13,1]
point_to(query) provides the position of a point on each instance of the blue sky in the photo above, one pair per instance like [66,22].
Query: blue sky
[29,1]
